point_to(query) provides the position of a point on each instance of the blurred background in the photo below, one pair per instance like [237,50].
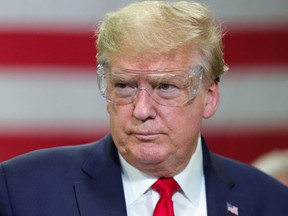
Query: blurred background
[48,89]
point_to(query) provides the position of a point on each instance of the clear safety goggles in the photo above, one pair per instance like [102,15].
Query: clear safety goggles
[168,88]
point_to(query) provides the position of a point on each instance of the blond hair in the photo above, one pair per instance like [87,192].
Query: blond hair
[150,27]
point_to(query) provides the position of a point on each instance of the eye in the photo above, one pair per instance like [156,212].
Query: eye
[166,86]
[120,85]
[122,90]
[120,81]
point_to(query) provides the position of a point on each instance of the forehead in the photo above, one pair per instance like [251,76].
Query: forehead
[170,61]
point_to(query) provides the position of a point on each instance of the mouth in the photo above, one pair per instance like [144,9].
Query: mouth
[146,137]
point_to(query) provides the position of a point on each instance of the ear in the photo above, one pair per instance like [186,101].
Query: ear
[108,108]
[211,100]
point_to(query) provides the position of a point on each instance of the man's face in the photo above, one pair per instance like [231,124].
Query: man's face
[156,139]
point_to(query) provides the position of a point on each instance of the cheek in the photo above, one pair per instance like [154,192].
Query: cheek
[181,118]
[185,123]
[119,116]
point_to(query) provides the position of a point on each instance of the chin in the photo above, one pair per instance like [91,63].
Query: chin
[151,156]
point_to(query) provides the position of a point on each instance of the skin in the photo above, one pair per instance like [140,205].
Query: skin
[156,139]
[282,177]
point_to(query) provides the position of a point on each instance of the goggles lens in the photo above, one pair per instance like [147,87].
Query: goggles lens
[168,88]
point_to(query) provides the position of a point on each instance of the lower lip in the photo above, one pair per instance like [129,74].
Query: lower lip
[146,137]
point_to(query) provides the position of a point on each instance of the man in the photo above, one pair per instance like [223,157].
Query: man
[159,65]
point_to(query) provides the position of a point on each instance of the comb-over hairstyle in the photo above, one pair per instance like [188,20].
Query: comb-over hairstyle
[159,27]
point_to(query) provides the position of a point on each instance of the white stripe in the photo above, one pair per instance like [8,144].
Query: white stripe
[57,11]
[57,98]
[250,10]
[61,100]
[252,99]
[87,11]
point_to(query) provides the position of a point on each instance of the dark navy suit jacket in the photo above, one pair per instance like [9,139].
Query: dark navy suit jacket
[86,180]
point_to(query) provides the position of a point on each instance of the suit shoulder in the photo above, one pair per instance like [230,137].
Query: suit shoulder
[55,158]
[236,168]
[246,176]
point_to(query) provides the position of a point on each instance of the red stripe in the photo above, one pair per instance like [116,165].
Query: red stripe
[254,47]
[47,48]
[243,146]
[242,47]
[247,146]
[14,144]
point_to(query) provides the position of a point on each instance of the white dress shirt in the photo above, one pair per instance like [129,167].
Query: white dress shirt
[190,200]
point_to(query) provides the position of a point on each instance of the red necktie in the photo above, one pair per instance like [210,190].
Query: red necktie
[166,187]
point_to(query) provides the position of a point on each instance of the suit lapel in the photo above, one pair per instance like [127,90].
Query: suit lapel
[220,196]
[103,193]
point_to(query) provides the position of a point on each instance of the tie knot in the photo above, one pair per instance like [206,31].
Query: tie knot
[166,187]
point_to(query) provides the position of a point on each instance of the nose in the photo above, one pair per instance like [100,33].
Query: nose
[144,106]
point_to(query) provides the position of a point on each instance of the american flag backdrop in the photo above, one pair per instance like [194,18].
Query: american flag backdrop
[49,95]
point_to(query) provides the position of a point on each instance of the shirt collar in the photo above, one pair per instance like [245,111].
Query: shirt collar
[190,179]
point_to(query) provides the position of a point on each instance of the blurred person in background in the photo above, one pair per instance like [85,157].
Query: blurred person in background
[274,163]
[159,65]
